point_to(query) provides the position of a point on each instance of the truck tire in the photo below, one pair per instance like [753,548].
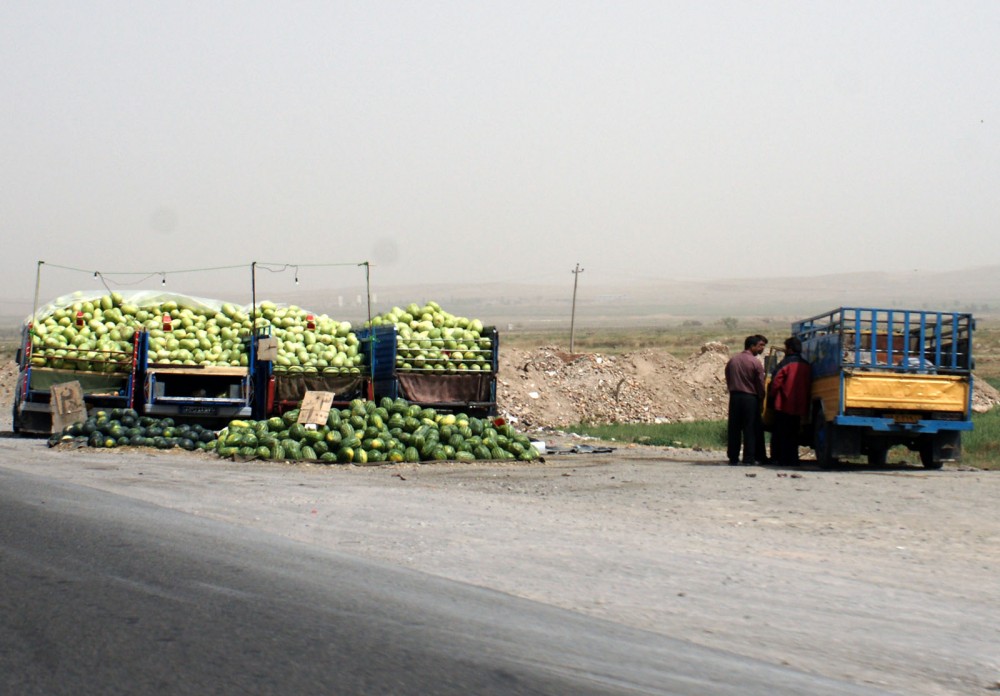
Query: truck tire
[927,455]
[877,453]
[822,441]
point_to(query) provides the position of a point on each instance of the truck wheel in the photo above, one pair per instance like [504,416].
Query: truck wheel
[877,454]
[822,445]
[927,455]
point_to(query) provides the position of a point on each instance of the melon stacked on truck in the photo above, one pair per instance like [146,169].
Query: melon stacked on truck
[97,333]
[311,343]
[430,339]
[88,335]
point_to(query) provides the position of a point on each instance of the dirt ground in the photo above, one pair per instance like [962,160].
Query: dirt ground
[885,576]
[882,576]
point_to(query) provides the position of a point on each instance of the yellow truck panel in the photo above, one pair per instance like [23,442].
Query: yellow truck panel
[895,392]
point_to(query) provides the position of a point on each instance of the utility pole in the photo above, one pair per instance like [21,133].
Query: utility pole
[572,317]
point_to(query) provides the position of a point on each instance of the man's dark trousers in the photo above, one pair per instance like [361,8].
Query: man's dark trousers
[743,409]
[785,439]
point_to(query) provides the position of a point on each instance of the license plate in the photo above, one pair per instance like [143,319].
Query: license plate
[199,410]
[906,417]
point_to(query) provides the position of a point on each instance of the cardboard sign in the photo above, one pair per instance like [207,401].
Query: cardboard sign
[267,349]
[67,405]
[315,407]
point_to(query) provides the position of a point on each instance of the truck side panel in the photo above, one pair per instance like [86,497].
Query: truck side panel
[886,391]
[826,390]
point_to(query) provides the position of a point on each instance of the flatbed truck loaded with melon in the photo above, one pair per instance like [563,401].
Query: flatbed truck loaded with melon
[429,356]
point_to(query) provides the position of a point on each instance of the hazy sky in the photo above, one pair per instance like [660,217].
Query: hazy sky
[498,141]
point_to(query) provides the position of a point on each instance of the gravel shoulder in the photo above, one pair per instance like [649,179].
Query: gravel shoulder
[886,577]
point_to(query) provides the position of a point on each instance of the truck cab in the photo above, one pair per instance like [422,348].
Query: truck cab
[887,377]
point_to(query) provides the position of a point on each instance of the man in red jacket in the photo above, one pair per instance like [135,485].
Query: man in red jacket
[788,395]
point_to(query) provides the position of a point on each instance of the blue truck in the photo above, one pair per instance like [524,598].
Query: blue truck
[108,379]
[888,377]
[195,392]
[427,382]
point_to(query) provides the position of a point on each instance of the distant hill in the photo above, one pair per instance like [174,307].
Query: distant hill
[665,302]
[672,301]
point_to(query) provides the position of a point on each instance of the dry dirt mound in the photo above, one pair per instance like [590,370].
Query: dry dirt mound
[984,396]
[550,388]
[8,383]
[547,387]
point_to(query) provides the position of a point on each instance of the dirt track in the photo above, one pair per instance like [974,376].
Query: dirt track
[882,576]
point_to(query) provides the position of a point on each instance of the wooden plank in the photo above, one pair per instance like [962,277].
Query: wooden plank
[67,405]
[198,370]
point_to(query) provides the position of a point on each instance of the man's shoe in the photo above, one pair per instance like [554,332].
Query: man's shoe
[734,462]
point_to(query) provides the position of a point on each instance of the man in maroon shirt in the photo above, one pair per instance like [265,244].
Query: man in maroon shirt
[745,381]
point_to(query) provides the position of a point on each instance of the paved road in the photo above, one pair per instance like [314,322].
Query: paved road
[104,594]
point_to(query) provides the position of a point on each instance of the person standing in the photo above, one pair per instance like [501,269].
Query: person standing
[745,382]
[788,396]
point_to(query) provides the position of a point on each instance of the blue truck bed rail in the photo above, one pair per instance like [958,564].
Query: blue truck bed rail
[889,340]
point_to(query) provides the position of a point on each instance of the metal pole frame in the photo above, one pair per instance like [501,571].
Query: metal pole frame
[572,317]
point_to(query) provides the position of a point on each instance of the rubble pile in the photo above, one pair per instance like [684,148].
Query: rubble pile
[984,396]
[547,387]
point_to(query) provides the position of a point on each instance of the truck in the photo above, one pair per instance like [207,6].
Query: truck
[213,394]
[471,391]
[108,379]
[888,377]
[284,390]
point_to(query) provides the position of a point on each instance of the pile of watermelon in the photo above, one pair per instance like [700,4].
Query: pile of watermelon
[366,432]
[124,427]
[429,339]
[96,334]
